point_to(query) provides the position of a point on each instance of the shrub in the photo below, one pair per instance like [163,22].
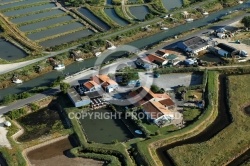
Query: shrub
[34,107]
[15,114]
[154,88]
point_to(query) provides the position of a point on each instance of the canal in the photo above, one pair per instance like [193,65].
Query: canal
[46,79]
[223,120]
[2,161]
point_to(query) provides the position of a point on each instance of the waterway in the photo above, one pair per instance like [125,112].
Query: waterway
[2,161]
[223,120]
[141,43]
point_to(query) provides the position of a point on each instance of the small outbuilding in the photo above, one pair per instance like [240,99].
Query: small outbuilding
[78,100]
[7,123]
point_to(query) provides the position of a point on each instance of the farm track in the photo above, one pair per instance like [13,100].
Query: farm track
[15,33]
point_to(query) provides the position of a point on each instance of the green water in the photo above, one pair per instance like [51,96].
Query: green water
[103,130]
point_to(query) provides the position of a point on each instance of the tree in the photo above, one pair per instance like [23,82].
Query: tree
[64,87]
[154,88]
[246,21]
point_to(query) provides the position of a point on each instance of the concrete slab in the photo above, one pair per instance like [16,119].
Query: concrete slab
[3,134]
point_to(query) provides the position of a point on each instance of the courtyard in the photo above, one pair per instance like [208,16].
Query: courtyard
[170,81]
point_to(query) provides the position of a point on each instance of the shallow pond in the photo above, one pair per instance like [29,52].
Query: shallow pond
[87,13]
[45,23]
[28,10]
[55,31]
[67,38]
[170,4]
[139,11]
[113,15]
[104,130]
[10,52]
[36,16]
[16,4]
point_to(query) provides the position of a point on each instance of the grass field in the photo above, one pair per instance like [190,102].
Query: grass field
[39,123]
[217,151]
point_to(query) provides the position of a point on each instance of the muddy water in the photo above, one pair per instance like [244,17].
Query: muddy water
[223,120]
[57,154]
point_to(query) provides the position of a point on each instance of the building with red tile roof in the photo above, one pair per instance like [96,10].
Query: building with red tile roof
[100,81]
[158,107]
[156,59]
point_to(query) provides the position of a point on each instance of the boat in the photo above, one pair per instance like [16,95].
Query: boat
[79,59]
[189,19]
[164,28]
[138,132]
[59,67]
[111,48]
[17,81]
[98,54]
[205,13]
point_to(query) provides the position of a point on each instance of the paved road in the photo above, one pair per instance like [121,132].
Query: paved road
[5,68]
[111,68]
[20,103]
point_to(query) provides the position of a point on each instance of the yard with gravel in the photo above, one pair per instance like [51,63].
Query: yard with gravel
[170,81]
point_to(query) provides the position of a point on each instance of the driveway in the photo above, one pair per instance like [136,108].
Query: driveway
[3,134]
[170,81]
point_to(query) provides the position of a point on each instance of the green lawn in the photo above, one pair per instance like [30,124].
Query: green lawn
[152,128]
[230,141]
[190,114]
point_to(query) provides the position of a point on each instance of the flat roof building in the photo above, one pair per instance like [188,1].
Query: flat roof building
[76,99]
[193,45]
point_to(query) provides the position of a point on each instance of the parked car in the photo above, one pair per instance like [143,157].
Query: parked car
[156,75]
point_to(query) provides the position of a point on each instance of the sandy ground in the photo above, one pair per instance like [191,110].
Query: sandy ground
[3,132]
